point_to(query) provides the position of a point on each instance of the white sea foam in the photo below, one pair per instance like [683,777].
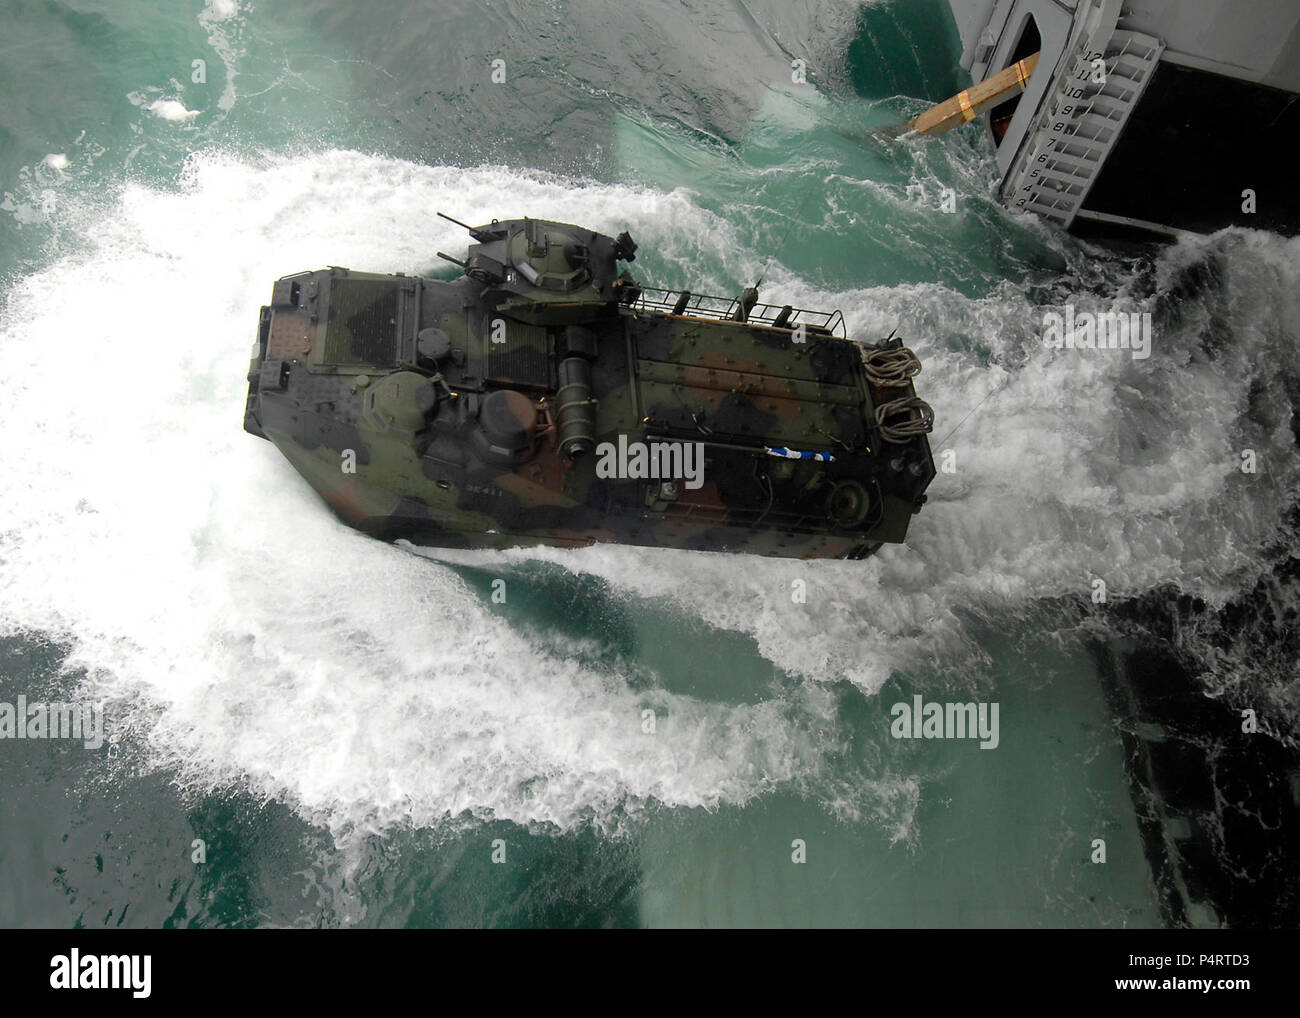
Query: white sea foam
[223,24]
[171,109]
[196,576]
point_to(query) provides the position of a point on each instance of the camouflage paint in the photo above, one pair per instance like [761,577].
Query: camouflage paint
[434,411]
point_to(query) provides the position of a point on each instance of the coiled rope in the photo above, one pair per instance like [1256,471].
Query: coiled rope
[890,366]
[901,420]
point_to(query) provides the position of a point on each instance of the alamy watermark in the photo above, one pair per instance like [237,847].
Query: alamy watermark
[75,971]
[25,720]
[1102,330]
[921,720]
[667,461]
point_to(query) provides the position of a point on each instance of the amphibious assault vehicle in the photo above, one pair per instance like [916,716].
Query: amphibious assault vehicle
[546,397]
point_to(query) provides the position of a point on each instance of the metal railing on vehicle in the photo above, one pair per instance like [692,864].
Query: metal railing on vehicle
[701,305]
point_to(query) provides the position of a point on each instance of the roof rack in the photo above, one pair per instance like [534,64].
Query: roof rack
[700,305]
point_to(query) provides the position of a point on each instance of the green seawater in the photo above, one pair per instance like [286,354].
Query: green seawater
[309,728]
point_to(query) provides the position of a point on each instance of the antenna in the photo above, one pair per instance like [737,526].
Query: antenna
[780,247]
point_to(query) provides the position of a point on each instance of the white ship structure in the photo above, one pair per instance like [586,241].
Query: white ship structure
[1144,116]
